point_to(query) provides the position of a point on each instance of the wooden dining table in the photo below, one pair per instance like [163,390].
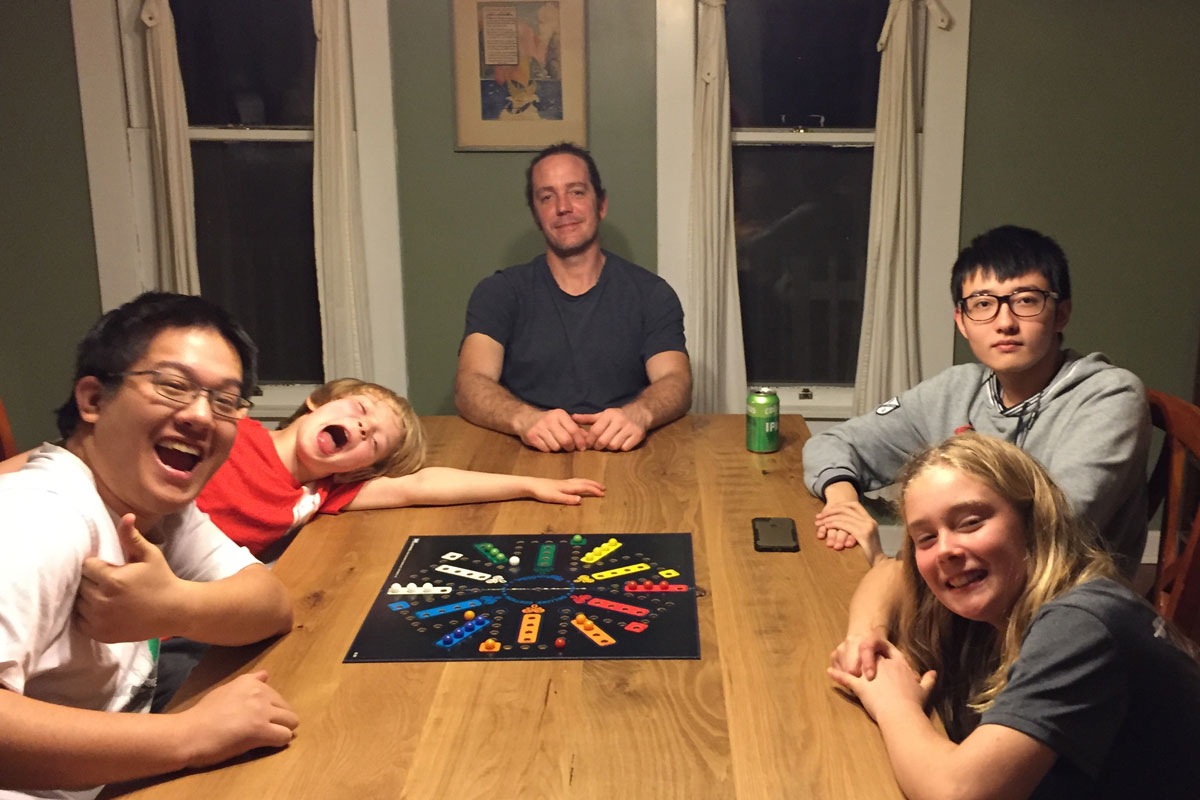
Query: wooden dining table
[754,718]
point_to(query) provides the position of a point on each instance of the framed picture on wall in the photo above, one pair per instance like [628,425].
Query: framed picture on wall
[519,79]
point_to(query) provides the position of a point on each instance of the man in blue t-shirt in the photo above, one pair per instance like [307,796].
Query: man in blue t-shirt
[578,349]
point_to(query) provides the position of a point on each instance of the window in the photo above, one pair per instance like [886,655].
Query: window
[248,69]
[943,64]
[110,60]
[804,80]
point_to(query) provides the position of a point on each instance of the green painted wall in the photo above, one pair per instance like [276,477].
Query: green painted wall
[463,215]
[49,293]
[1081,122]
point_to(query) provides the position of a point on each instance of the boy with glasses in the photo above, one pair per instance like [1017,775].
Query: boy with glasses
[105,553]
[1084,419]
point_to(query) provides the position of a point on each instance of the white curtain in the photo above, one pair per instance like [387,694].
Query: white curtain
[888,354]
[337,204]
[715,330]
[171,159]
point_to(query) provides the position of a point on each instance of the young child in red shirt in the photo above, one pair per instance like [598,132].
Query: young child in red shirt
[352,445]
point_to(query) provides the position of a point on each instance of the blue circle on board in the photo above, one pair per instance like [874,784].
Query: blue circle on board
[540,584]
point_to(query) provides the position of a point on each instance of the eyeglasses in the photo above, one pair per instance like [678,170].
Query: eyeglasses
[184,391]
[1025,303]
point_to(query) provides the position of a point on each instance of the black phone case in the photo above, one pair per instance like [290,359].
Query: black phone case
[775,535]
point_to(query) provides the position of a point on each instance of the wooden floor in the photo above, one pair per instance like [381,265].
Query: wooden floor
[754,718]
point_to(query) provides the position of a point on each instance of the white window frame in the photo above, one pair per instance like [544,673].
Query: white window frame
[940,175]
[117,146]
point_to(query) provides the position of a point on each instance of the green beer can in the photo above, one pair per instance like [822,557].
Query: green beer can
[762,421]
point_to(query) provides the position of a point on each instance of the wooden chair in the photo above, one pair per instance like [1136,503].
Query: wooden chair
[1176,590]
[8,447]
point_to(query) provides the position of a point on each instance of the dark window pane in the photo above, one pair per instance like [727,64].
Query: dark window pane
[801,217]
[804,62]
[254,240]
[247,62]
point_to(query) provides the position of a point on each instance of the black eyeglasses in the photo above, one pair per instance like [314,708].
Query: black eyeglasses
[179,389]
[1025,303]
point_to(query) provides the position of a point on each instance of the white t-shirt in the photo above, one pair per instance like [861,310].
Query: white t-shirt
[51,519]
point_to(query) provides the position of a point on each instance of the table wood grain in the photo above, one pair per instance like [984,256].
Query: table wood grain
[754,718]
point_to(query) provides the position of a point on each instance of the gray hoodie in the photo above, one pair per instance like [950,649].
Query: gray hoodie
[1090,427]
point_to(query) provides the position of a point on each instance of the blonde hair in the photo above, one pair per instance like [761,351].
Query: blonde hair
[973,658]
[409,453]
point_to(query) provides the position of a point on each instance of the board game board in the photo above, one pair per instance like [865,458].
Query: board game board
[452,598]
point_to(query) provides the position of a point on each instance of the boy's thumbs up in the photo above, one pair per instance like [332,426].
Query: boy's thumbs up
[133,544]
[125,602]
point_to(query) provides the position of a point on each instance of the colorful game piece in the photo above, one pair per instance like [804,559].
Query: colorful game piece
[545,559]
[475,575]
[490,552]
[613,573]
[489,646]
[514,561]
[463,632]
[560,643]
[611,605]
[600,552]
[450,608]
[648,586]
[470,615]
[593,632]
[577,540]
[530,624]
[412,588]
[636,626]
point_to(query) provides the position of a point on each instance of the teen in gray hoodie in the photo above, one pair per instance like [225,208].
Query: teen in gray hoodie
[1089,427]
[1084,419]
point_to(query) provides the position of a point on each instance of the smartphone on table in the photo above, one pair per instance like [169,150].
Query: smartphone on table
[775,534]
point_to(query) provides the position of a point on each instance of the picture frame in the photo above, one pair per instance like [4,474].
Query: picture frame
[519,74]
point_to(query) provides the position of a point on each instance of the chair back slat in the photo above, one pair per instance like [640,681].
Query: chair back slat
[8,446]
[1176,591]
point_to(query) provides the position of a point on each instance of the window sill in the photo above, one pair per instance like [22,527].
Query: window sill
[816,402]
[279,400]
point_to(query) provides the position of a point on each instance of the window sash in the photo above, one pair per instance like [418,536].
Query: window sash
[849,137]
[206,134]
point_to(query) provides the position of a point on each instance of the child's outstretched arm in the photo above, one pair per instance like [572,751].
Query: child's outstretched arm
[443,486]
